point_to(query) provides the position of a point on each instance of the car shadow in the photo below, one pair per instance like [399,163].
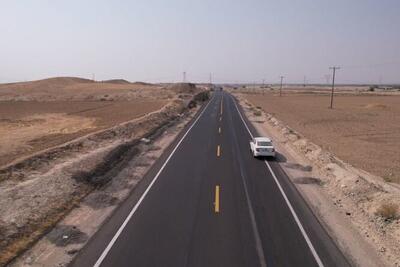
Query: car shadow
[278,158]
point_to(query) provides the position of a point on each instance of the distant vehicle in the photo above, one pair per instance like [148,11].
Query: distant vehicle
[262,146]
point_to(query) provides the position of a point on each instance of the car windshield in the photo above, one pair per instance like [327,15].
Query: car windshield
[264,143]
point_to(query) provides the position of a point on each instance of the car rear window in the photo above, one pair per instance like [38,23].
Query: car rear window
[264,143]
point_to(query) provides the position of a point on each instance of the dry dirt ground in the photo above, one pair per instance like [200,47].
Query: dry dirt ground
[70,88]
[27,127]
[361,130]
[40,114]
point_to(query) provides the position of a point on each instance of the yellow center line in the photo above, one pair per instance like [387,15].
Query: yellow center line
[216,204]
[221,107]
[218,151]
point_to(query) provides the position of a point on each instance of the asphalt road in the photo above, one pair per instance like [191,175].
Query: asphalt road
[208,202]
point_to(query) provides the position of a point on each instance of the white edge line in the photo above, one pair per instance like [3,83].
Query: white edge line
[296,218]
[121,228]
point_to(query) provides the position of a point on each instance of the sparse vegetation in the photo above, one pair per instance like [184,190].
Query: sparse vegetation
[391,178]
[202,96]
[257,113]
[388,211]
[388,178]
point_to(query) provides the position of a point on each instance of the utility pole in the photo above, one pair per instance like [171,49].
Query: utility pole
[304,81]
[333,83]
[184,76]
[280,90]
[210,79]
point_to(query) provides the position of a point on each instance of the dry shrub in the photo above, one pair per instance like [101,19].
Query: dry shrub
[257,113]
[388,211]
[388,178]
[202,96]
[391,178]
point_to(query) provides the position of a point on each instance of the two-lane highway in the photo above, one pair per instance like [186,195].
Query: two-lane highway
[208,202]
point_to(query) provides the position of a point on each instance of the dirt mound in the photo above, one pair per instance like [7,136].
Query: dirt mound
[77,89]
[39,90]
[117,81]
[50,83]
[142,83]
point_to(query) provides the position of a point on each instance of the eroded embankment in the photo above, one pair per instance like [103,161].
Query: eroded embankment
[40,190]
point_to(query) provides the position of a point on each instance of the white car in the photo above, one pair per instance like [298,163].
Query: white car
[262,146]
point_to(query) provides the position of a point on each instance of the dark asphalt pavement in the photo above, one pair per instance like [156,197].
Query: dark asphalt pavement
[208,202]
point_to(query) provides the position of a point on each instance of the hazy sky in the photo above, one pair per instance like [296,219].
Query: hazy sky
[237,41]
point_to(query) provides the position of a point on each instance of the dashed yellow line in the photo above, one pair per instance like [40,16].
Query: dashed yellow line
[221,107]
[218,151]
[216,203]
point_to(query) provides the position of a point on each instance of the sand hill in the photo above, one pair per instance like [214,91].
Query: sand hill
[78,89]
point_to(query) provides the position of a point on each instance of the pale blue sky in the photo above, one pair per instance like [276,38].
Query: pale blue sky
[237,41]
